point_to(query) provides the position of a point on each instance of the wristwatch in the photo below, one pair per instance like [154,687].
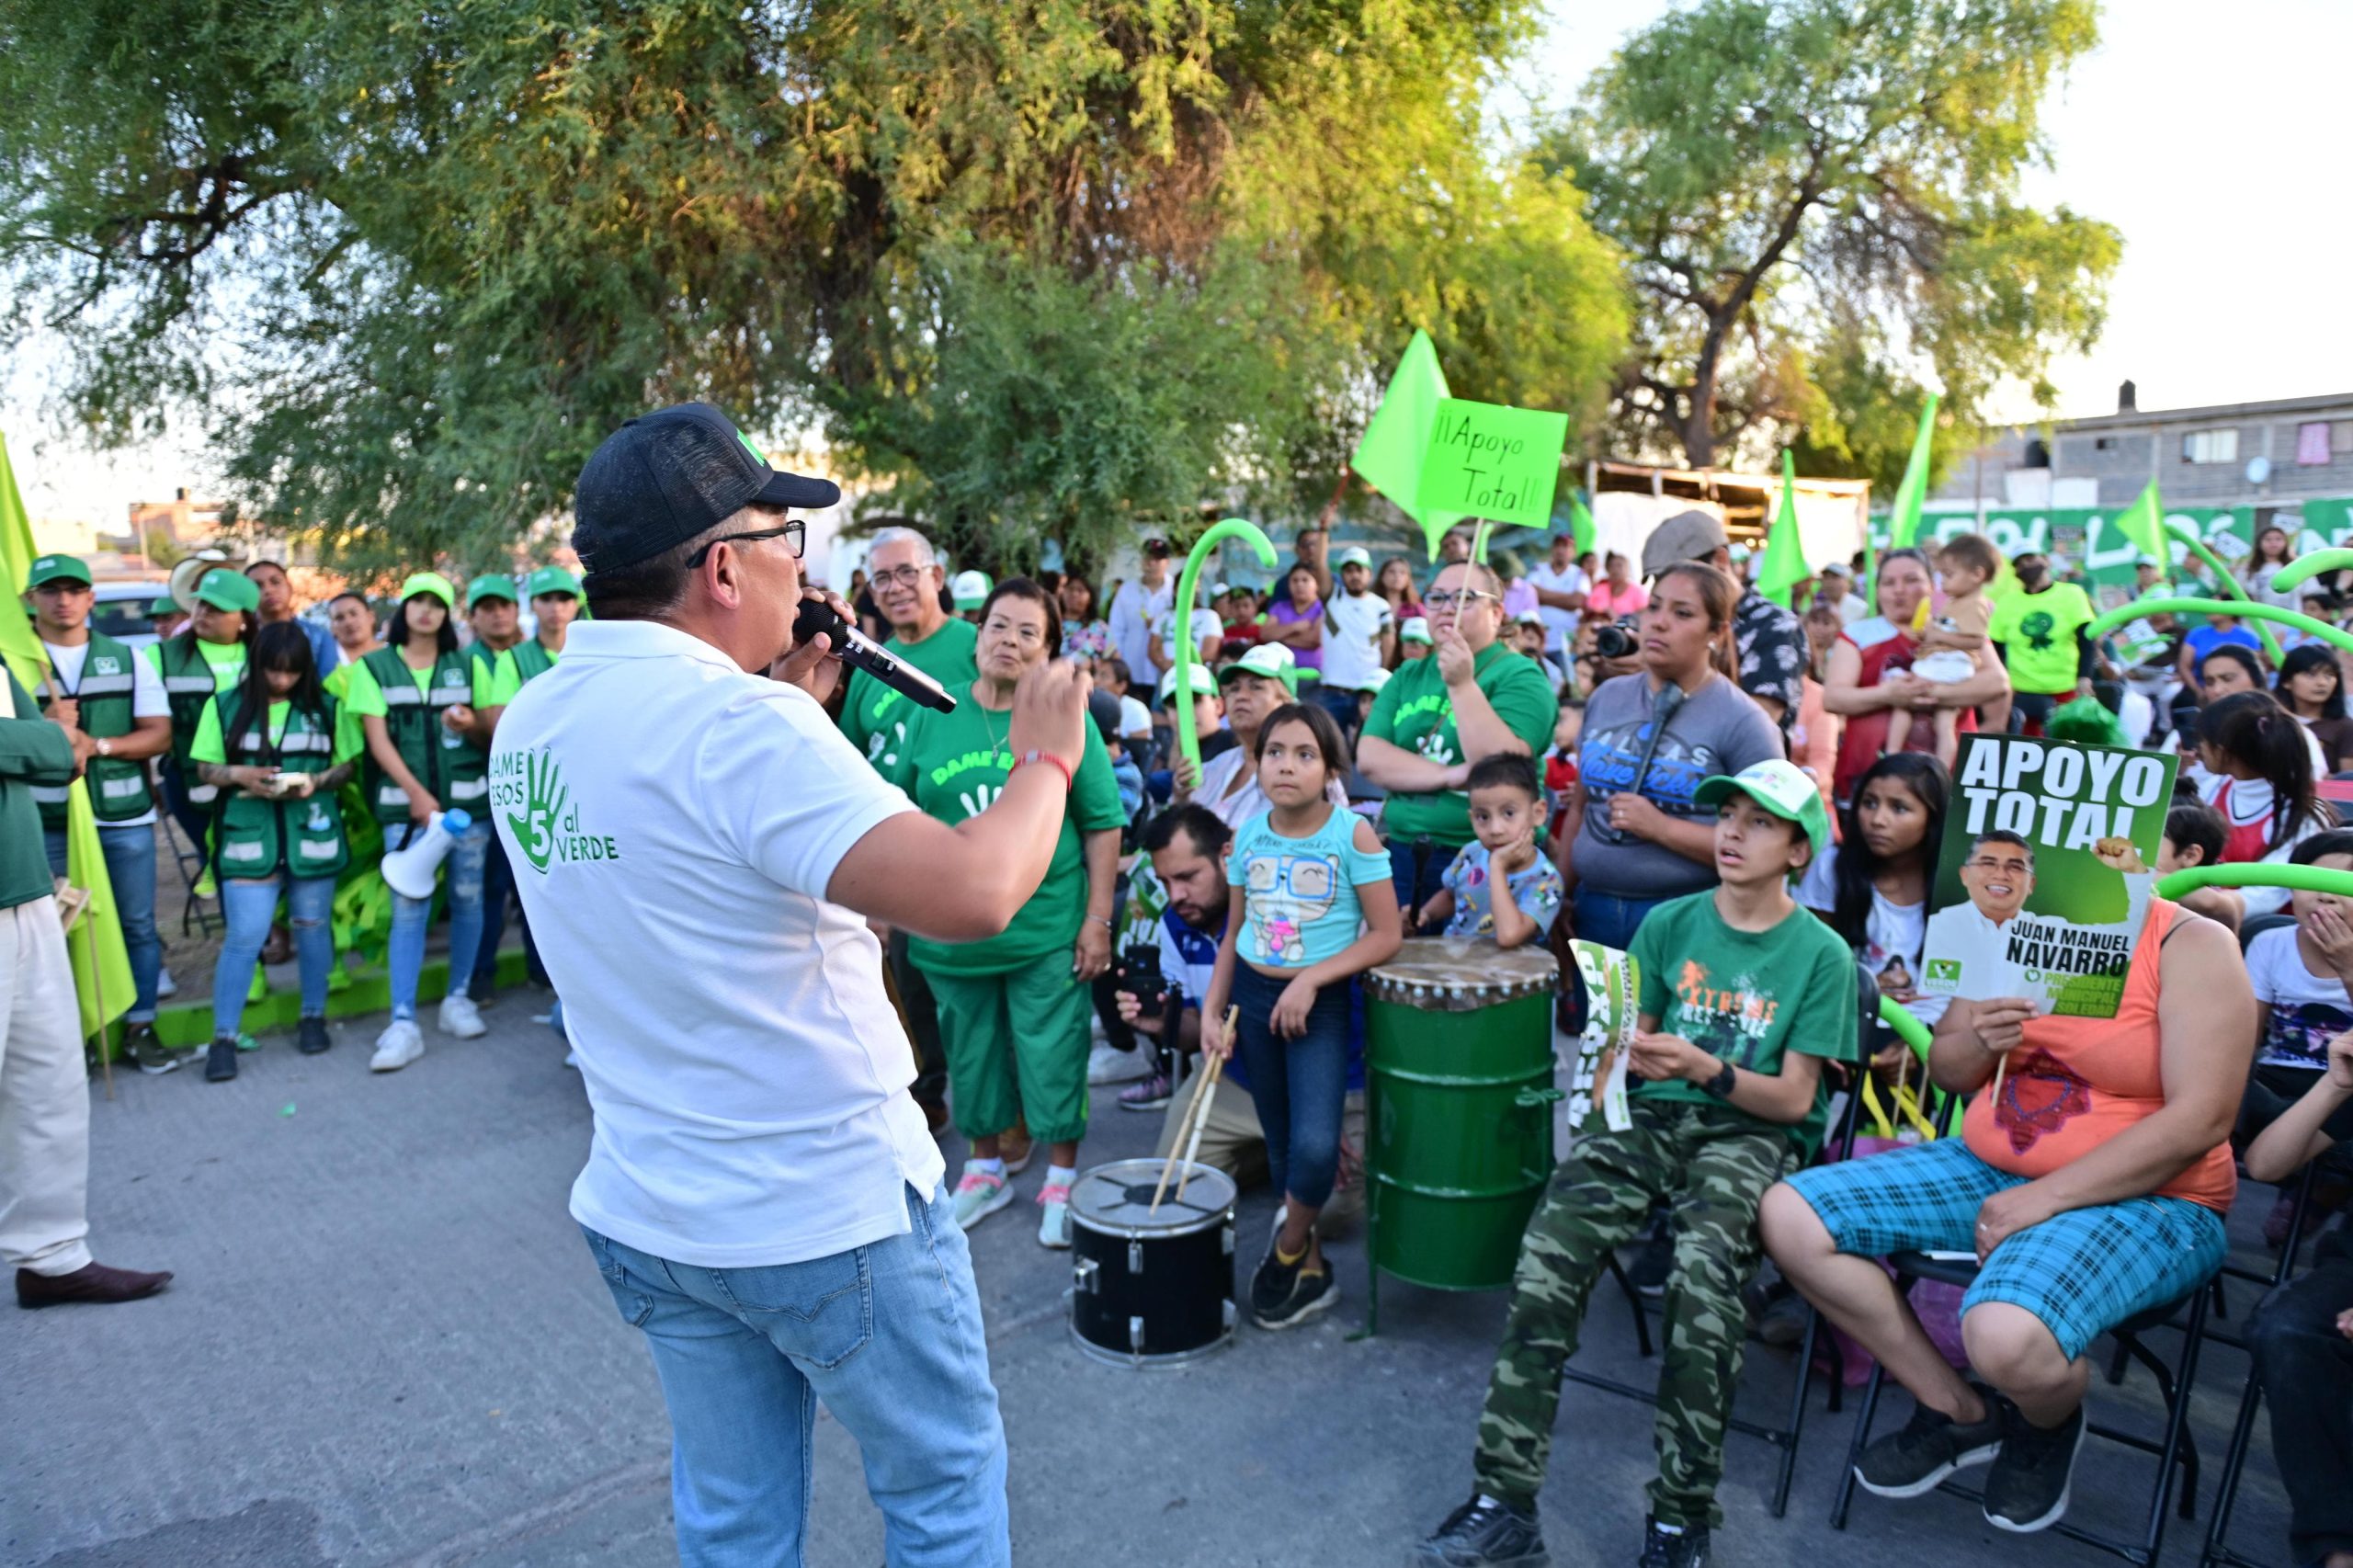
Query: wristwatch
[105,746]
[1721,1085]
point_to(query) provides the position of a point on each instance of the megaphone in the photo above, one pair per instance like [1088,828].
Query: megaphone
[187,574]
[409,870]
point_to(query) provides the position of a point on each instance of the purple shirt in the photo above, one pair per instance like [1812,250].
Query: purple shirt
[1305,658]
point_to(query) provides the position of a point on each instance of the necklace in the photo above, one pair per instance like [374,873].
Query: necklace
[996,742]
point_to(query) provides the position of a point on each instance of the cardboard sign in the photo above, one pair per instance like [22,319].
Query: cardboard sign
[2044,875]
[1488,460]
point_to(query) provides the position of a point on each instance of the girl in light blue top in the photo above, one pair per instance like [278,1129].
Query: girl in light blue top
[1313,907]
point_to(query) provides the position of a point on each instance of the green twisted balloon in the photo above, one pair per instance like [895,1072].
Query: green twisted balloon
[2256,874]
[1907,1028]
[2258,613]
[2222,571]
[1181,628]
[2305,567]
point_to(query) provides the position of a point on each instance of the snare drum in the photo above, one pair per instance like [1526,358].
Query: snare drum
[1458,1107]
[1150,1290]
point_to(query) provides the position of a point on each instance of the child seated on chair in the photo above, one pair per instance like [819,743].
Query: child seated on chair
[1744,995]
[2303,989]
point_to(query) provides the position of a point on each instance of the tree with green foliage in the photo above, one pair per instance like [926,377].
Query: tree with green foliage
[1818,201]
[1036,269]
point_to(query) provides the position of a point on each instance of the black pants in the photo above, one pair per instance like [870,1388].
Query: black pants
[497,888]
[2306,1370]
[922,1013]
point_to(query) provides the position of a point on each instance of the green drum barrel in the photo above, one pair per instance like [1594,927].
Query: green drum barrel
[1458,1108]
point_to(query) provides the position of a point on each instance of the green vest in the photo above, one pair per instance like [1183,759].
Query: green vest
[253,838]
[117,788]
[188,683]
[532,659]
[451,766]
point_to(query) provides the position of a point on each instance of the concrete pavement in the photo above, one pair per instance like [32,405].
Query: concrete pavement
[386,1345]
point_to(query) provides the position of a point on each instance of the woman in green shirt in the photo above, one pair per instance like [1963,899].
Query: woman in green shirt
[1013,1008]
[199,662]
[267,747]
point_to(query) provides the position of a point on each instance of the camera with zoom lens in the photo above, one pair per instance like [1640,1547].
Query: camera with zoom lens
[1617,639]
[1140,977]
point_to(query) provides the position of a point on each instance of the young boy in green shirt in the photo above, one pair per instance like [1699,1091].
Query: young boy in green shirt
[1744,995]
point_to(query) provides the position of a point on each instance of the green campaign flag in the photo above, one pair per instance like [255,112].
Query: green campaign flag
[1489,461]
[1581,524]
[1783,567]
[1390,457]
[1914,488]
[2143,523]
[20,644]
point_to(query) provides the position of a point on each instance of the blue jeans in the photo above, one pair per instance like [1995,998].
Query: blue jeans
[888,1335]
[1606,918]
[462,872]
[130,866]
[249,905]
[1300,1085]
[1415,891]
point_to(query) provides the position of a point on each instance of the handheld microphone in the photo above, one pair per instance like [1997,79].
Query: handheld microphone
[856,648]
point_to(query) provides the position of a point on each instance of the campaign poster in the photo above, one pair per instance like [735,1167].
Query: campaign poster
[2044,877]
[1613,989]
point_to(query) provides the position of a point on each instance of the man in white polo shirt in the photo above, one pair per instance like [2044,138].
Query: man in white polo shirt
[697,847]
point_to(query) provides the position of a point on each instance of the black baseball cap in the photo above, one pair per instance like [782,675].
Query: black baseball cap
[666,476]
[1156,548]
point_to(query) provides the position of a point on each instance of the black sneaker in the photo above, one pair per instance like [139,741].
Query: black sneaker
[311,1036]
[1666,1547]
[1271,1286]
[152,1057]
[1486,1533]
[1930,1447]
[1656,1261]
[220,1061]
[1313,1291]
[2027,1489]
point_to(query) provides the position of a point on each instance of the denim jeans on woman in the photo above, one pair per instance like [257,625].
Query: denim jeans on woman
[1606,918]
[462,881]
[1300,1084]
[130,855]
[888,1335]
[250,904]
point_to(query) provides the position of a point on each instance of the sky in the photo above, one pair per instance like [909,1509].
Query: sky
[2210,135]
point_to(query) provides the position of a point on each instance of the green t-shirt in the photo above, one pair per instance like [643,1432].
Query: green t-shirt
[1415,711]
[2037,636]
[209,746]
[875,718]
[1747,996]
[953,766]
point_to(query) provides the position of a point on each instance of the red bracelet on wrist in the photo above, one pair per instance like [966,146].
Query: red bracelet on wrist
[1070,780]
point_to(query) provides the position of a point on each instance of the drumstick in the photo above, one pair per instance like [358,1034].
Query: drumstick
[1196,1116]
[1201,1122]
[1168,1166]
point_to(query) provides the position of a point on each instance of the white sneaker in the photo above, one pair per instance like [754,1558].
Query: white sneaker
[461,1017]
[165,985]
[1054,1225]
[1105,1066]
[572,1059]
[398,1046]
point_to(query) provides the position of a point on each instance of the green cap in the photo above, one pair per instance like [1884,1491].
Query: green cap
[1203,685]
[1781,788]
[1270,660]
[435,584]
[970,590]
[551,580]
[489,586]
[165,606]
[225,589]
[58,569]
[1416,629]
[1354,555]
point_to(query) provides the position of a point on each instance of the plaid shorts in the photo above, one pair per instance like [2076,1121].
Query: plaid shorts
[2081,1273]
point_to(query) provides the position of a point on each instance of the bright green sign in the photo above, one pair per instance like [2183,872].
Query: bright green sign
[1489,461]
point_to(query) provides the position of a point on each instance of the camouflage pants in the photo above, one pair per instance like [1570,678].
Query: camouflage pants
[1712,1163]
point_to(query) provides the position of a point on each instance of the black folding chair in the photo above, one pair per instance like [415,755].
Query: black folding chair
[2176,1448]
[191,860]
[1785,1437]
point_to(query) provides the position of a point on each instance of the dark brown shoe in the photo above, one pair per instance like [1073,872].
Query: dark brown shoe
[934,1114]
[279,948]
[92,1282]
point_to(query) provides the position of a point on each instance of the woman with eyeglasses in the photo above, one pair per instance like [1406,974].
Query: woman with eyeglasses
[1638,835]
[1013,1008]
[423,708]
[1474,699]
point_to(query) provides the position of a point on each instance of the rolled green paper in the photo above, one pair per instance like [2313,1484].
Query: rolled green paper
[1182,627]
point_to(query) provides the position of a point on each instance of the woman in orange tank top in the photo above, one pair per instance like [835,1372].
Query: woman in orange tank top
[2091,1187]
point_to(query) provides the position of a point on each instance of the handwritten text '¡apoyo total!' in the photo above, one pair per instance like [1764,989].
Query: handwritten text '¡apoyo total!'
[2059,797]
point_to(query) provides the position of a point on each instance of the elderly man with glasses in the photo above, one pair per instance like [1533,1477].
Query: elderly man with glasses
[1437,716]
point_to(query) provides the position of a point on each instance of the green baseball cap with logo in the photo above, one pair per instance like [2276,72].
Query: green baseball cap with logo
[489,586]
[164,606]
[970,590]
[1781,788]
[1354,555]
[58,569]
[435,584]
[551,580]
[225,589]
[1272,661]
[1417,629]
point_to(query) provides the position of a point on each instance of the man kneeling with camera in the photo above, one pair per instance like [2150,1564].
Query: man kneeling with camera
[1162,1000]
